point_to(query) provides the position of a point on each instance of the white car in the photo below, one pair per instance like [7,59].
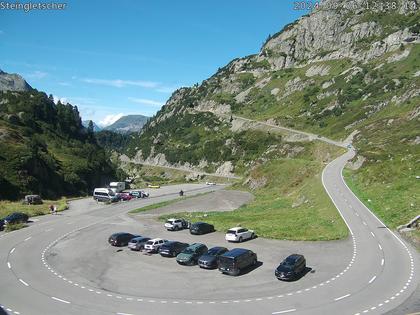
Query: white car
[210,183]
[239,234]
[153,245]
[176,224]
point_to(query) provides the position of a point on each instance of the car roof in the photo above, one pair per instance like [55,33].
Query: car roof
[156,239]
[293,257]
[120,233]
[199,223]
[196,245]
[139,238]
[235,252]
[236,228]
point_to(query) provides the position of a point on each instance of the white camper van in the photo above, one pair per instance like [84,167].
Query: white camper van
[117,186]
[104,194]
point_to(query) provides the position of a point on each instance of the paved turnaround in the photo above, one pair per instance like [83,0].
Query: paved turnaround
[381,271]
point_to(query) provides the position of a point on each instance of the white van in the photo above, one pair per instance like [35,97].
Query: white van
[104,194]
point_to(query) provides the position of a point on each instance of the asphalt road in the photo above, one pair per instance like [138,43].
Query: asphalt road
[63,265]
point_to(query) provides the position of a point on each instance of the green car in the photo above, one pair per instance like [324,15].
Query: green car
[190,255]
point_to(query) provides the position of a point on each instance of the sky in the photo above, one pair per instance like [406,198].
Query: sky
[113,58]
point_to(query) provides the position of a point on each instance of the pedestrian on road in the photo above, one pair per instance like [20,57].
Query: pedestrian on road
[55,209]
[51,207]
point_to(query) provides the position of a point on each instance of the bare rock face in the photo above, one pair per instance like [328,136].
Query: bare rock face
[226,169]
[13,82]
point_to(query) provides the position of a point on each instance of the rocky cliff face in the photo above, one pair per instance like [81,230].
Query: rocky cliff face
[13,82]
[331,72]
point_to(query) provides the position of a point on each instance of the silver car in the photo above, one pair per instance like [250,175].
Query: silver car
[137,243]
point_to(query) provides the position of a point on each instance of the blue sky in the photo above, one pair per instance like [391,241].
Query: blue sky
[112,58]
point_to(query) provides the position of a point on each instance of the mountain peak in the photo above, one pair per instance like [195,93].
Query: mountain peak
[13,82]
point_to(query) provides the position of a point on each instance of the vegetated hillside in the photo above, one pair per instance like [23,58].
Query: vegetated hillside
[336,71]
[128,124]
[44,149]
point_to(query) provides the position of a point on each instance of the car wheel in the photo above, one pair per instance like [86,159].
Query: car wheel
[176,228]
[240,239]
[254,262]
[252,236]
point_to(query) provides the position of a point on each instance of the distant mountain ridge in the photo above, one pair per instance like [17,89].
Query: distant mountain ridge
[96,128]
[128,124]
[13,82]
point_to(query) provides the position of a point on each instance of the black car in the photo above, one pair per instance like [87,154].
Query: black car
[235,260]
[209,259]
[1,224]
[172,248]
[137,243]
[291,267]
[16,217]
[121,239]
[201,228]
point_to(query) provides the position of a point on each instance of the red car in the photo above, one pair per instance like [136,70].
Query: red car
[124,196]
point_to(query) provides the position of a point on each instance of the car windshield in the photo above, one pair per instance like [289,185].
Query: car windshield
[149,243]
[188,251]
[170,221]
[286,267]
[231,232]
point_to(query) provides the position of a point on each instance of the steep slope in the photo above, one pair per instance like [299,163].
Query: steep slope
[128,124]
[96,128]
[338,71]
[13,82]
[44,148]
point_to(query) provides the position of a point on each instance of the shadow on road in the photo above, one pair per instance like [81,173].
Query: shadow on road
[251,268]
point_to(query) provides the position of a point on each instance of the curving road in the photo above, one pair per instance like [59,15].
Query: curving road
[372,272]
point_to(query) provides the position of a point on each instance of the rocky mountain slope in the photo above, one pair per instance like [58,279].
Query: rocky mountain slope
[340,70]
[128,124]
[96,128]
[13,82]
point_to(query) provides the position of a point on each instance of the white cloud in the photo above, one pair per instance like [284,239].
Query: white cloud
[110,119]
[64,83]
[36,75]
[145,101]
[63,100]
[122,83]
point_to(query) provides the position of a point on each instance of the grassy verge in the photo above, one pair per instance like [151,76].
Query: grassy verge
[291,205]
[14,227]
[8,207]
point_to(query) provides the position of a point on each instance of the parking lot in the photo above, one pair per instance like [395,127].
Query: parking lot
[86,256]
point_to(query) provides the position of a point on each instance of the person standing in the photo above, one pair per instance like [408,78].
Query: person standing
[51,209]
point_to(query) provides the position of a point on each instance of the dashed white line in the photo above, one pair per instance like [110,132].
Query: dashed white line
[12,250]
[124,314]
[60,300]
[372,233]
[9,265]
[382,262]
[27,239]
[380,247]
[342,297]
[364,223]
[373,279]
[285,311]
[24,283]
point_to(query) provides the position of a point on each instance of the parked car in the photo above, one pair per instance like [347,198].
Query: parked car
[153,245]
[209,260]
[153,186]
[235,260]
[239,234]
[121,238]
[138,194]
[291,267]
[189,256]
[173,224]
[172,248]
[1,224]
[201,228]
[16,217]
[124,196]
[210,183]
[137,243]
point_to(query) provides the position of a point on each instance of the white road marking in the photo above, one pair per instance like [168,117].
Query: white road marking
[124,314]
[382,262]
[60,300]
[12,250]
[8,265]
[380,247]
[286,311]
[27,239]
[24,282]
[342,297]
[364,223]
[373,279]
[372,233]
